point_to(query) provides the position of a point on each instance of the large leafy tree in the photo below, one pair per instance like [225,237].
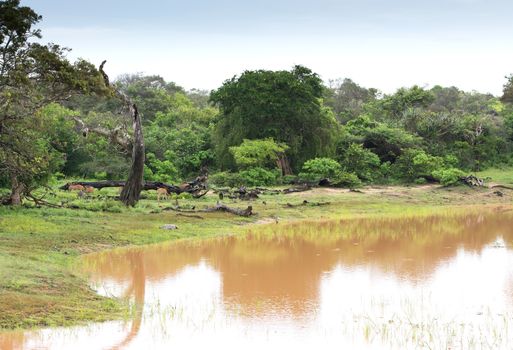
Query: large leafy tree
[347,98]
[151,93]
[32,76]
[283,105]
[180,136]
[258,153]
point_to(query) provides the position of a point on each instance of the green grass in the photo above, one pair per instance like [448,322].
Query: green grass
[40,247]
[498,175]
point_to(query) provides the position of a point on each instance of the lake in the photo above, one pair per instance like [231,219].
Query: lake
[432,281]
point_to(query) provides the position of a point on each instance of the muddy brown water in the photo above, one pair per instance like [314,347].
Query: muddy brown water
[434,282]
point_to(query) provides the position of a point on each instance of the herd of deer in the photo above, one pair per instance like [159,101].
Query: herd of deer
[83,190]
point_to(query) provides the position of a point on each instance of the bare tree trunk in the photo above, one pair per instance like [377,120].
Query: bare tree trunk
[17,189]
[133,186]
[284,165]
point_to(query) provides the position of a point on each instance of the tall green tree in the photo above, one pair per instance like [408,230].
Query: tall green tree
[347,99]
[283,105]
[32,76]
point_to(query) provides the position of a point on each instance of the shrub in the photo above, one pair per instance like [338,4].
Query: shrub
[289,179]
[420,181]
[258,177]
[415,163]
[361,161]
[160,170]
[226,179]
[385,169]
[257,153]
[345,179]
[320,168]
[448,177]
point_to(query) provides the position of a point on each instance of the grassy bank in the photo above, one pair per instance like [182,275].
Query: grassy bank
[39,247]
[498,175]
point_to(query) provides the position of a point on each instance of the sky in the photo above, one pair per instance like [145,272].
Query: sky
[385,44]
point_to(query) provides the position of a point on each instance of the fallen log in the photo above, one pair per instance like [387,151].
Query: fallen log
[502,186]
[221,207]
[296,189]
[218,207]
[304,203]
[197,189]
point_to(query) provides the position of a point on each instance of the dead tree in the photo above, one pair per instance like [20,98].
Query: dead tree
[134,185]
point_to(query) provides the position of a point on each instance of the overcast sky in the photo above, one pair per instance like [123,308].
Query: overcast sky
[385,44]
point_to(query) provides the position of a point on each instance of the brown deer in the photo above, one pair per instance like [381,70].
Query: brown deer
[89,189]
[76,187]
[162,192]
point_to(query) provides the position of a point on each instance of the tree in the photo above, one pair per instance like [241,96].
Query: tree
[134,184]
[185,131]
[507,92]
[361,161]
[320,168]
[283,105]
[32,76]
[393,107]
[414,164]
[151,93]
[347,99]
[380,138]
[258,153]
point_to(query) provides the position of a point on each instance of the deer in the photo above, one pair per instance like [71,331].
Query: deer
[162,192]
[76,188]
[89,189]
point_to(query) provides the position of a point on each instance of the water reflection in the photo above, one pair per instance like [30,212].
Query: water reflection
[443,281]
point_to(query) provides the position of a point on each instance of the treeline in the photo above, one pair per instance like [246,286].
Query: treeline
[267,127]
[58,119]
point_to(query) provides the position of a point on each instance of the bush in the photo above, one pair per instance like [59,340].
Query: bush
[345,179]
[448,177]
[160,170]
[226,179]
[183,195]
[289,179]
[257,153]
[320,168]
[415,163]
[420,181]
[361,161]
[258,177]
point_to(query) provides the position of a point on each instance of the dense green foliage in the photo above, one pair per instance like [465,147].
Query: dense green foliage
[255,129]
[33,76]
[286,106]
[329,169]
[257,153]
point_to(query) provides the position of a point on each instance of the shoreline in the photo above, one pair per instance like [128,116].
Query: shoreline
[52,241]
